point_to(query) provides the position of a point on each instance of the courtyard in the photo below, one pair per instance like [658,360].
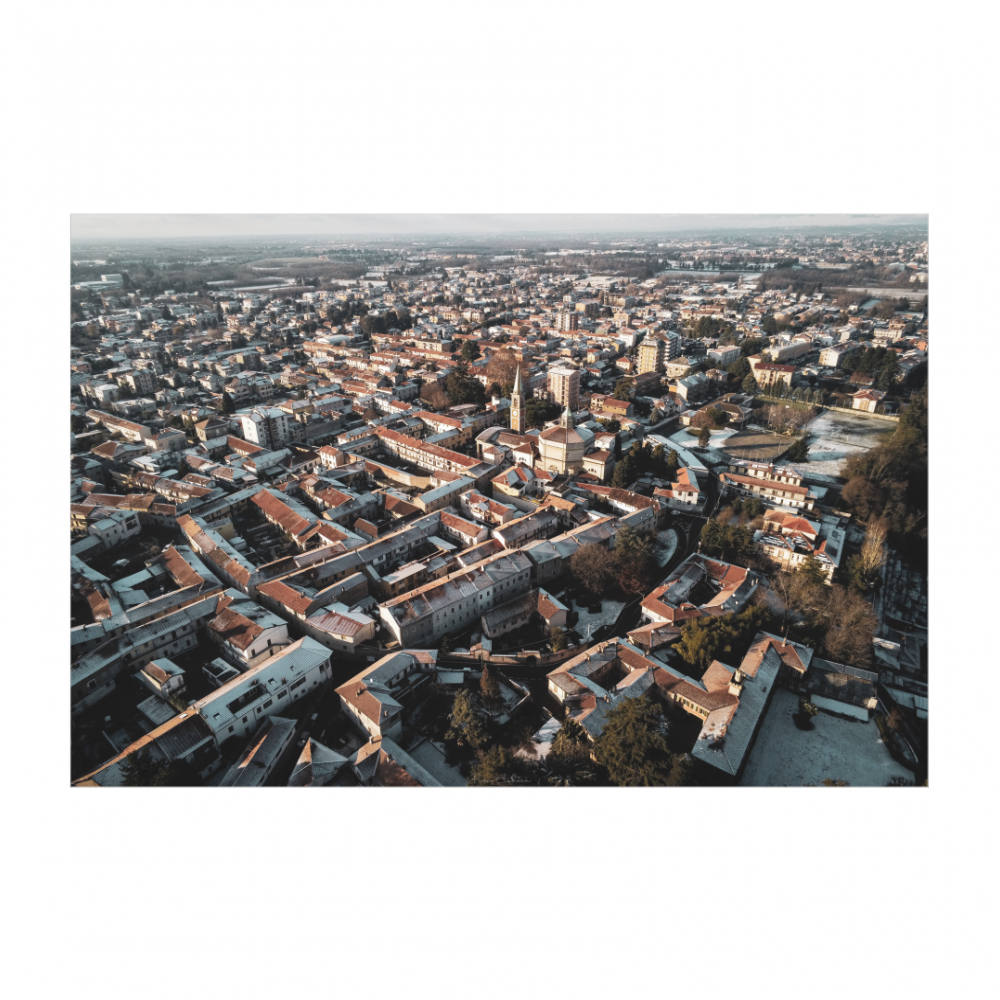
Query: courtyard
[836,748]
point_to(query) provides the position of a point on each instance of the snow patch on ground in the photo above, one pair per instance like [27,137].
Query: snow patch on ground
[835,436]
[708,456]
[841,749]
[432,757]
[667,543]
[610,610]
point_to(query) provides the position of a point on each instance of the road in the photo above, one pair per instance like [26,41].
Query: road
[688,528]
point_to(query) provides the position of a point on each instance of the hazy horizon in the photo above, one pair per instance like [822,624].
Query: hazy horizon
[89,227]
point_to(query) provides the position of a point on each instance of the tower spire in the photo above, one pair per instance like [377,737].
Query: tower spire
[517,405]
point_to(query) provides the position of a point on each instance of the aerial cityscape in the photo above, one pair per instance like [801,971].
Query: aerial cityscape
[533,508]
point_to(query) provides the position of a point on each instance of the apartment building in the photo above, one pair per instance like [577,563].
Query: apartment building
[564,387]
[768,374]
[271,428]
[656,350]
[422,616]
[775,485]
[239,706]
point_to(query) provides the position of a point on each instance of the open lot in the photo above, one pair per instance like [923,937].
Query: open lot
[758,445]
[841,749]
[834,436]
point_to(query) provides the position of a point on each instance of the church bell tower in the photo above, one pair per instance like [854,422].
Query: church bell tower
[517,405]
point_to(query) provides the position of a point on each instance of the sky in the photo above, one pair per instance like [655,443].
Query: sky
[100,227]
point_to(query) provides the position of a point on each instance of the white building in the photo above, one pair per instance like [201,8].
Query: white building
[270,427]
[239,706]
[422,616]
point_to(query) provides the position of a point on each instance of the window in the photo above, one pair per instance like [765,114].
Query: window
[230,728]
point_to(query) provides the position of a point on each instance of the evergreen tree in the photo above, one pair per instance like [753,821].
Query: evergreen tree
[467,727]
[812,570]
[633,748]
[497,767]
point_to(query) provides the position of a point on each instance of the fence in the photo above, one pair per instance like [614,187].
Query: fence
[523,657]
[863,413]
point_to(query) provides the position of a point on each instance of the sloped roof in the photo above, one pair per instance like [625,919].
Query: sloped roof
[267,743]
[727,733]
[316,766]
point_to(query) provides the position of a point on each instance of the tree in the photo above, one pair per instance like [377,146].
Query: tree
[710,326]
[812,570]
[622,390]
[434,396]
[140,770]
[799,451]
[489,689]
[497,767]
[704,437]
[633,748]
[673,460]
[462,389]
[466,727]
[749,385]
[740,368]
[625,472]
[633,557]
[570,752]
[717,416]
[470,350]
[502,366]
[725,637]
[557,639]
[850,625]
[711,536]
[873,548]
[228,406]
[537,412]
[863,497]
[592,567]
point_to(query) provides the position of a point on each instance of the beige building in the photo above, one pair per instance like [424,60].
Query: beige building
[768,374]
[564,387]
[656,350]
[774,484]
[561,448]
[867,400]
[652,355]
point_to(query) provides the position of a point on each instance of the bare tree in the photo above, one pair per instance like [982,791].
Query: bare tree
[435,396]
[873,547]
[502,366]
[851,625]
